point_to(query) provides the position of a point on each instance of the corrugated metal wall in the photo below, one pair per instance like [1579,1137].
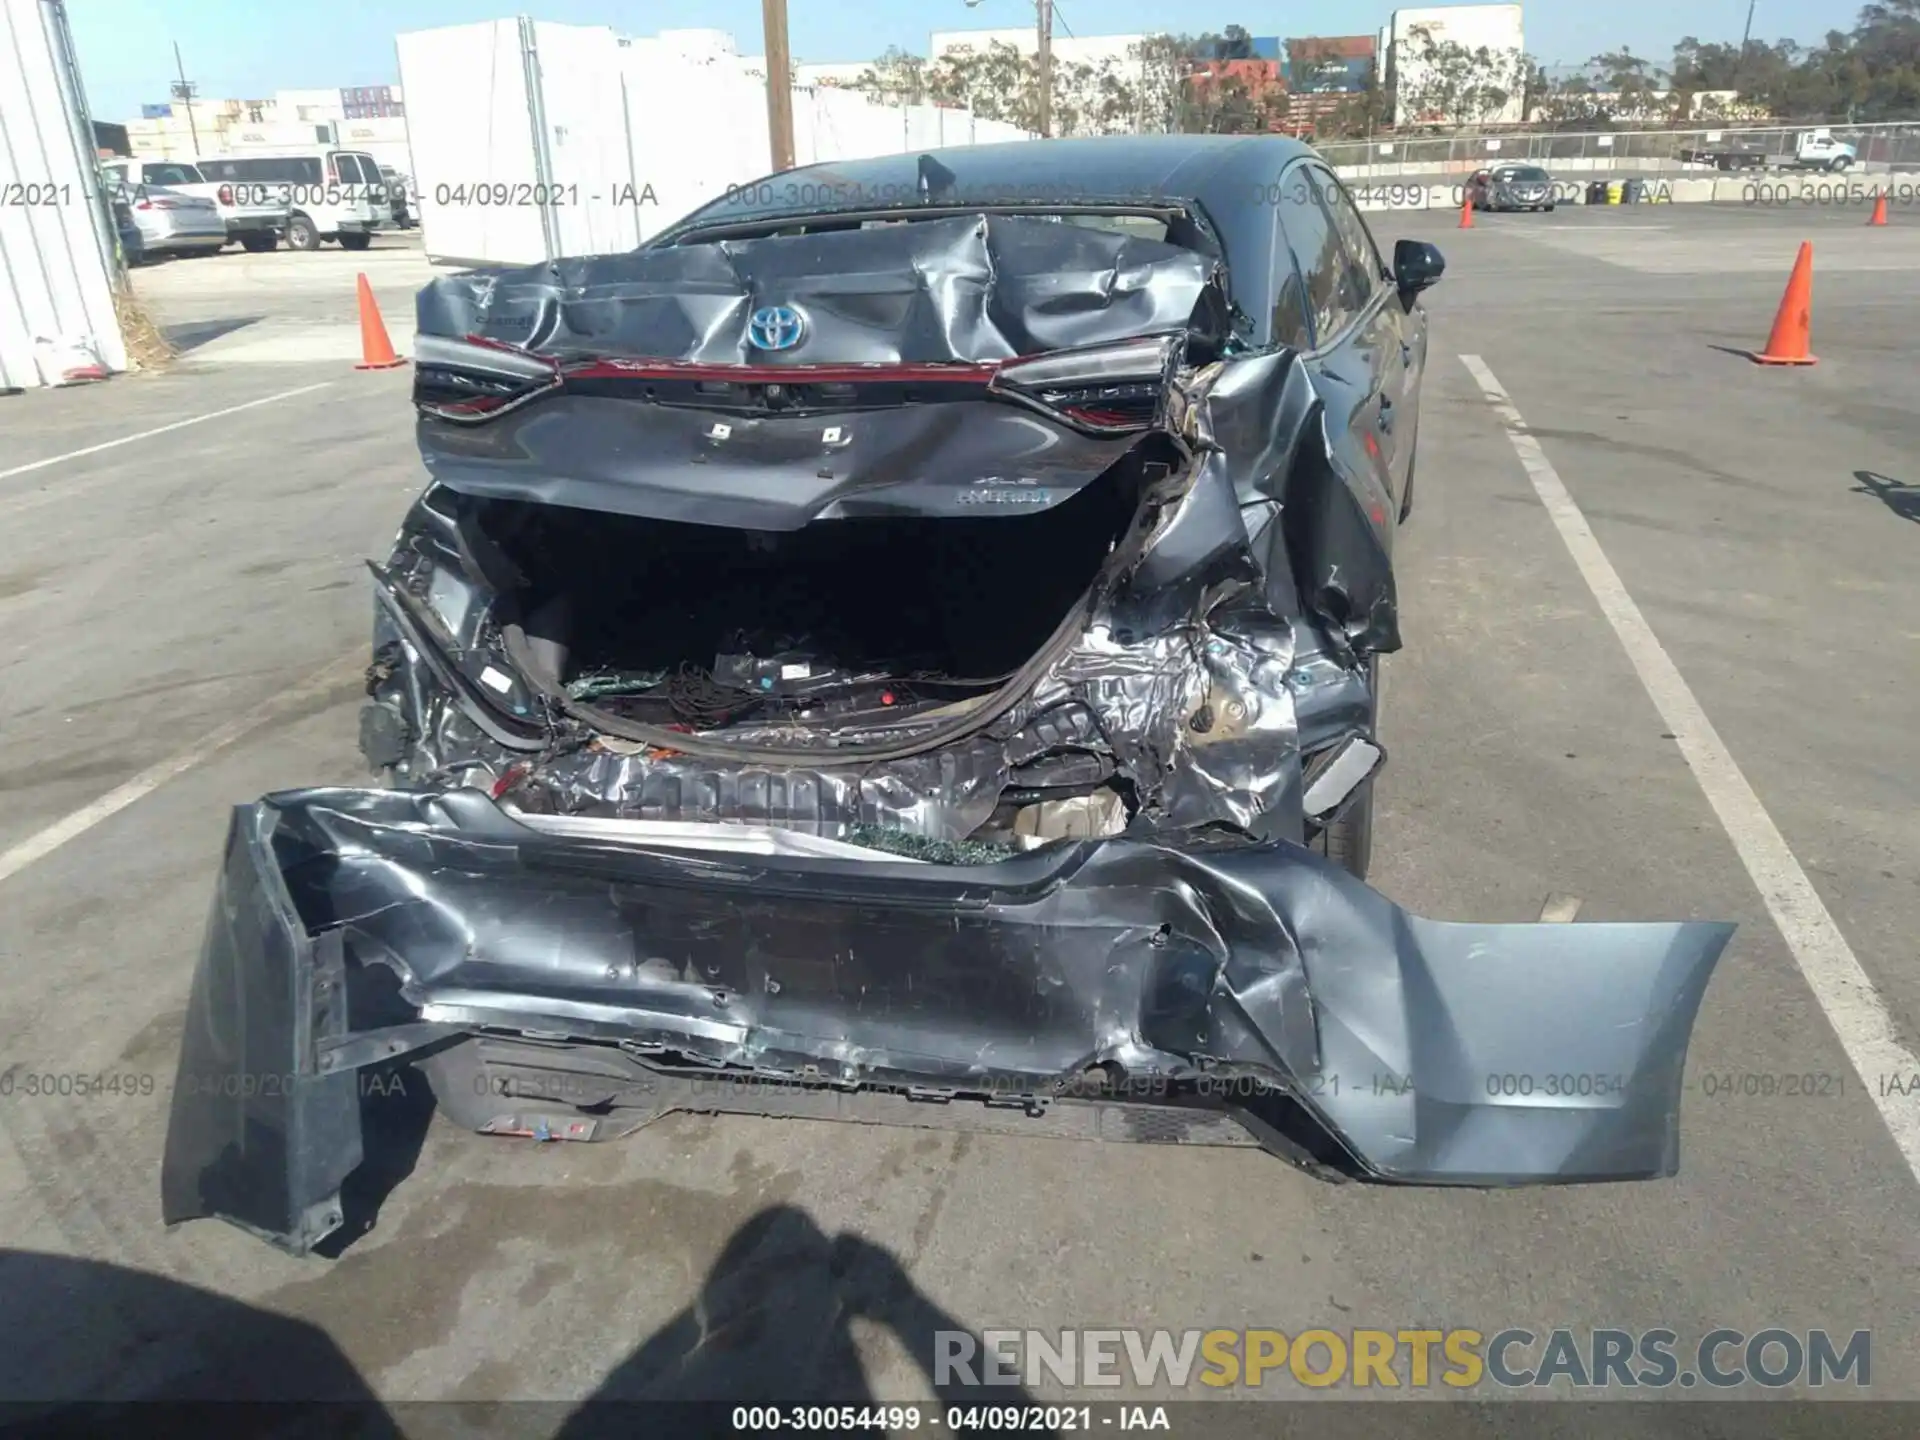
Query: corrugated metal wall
[56,242]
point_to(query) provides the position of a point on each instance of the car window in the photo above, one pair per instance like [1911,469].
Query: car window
[1309,237]
[1290,311]
[1363,256]
[266,170]
[171,175]
[352,170]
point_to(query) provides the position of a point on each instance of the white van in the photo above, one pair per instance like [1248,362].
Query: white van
[257,222]
[329,193]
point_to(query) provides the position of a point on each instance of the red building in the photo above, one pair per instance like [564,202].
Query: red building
[1260,79]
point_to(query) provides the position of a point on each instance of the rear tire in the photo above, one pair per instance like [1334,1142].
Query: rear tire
[259,244]
[351,241]
[301,234]
[1348,842]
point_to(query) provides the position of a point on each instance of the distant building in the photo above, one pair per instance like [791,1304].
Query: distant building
[1121,50]
[1122,58]
[1260,79]
[371,102]
[842,74]
[376,116]
[1645,107]
[1322,64]
[1323,72]
[1426,95]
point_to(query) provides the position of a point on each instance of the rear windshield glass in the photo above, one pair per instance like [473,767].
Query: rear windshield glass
[1147,227]
[170,174]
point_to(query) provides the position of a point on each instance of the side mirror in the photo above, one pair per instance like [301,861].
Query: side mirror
[1417,265]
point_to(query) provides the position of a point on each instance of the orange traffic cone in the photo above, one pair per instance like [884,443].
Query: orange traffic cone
[1879,211]
[1466,213]
[376,350]
[1793,324]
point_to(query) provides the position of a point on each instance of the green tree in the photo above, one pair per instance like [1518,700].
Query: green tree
[896,78]
[1235,44]
[1443,82]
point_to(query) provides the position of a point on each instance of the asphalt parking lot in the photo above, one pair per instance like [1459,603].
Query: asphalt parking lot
[183,617]
[284,307]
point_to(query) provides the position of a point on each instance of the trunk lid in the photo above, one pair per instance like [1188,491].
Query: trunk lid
[969,365]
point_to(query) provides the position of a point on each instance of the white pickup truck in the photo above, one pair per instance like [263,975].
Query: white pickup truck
[256,223]
[1812,150]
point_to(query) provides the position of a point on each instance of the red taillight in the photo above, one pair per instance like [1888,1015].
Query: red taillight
[226,195]
[1108,387]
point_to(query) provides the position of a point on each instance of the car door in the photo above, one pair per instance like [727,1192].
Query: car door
[1354,350]
[361,189]
[1398,330]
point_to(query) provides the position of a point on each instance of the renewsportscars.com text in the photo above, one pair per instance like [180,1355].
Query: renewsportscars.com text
[1457,1359]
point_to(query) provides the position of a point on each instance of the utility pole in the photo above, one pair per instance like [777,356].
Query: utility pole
[1740,64]
[1045,23]
[183,91]
[773,23]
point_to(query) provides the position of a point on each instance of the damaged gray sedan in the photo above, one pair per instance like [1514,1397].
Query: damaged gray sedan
[903,644]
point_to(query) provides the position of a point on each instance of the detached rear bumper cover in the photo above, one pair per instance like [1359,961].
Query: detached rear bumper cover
[1428,1051]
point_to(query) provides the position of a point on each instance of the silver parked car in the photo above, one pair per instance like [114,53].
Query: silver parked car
[256,221]
[171,222]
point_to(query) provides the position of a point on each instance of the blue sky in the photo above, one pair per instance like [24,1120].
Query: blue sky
[250,48]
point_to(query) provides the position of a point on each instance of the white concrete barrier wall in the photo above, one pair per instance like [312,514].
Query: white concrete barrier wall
[636,135]
[56,257]
[467,125]
[1824,192]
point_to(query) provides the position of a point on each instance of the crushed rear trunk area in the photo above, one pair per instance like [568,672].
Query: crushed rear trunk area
[909,662]
[662,622]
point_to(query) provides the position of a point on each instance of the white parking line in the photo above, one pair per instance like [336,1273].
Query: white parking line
[33,465]
[43,843]
[1853,1007]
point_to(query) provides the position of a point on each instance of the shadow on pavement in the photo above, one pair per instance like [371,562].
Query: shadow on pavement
[94,1346]
[192,334]
[396,1108]
[91,1345]
[772,1324]
[1897,495]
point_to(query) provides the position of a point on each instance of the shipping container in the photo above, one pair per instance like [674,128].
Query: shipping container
[57,243]
[533,140]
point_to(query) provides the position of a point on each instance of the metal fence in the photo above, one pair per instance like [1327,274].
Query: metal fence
[1886,145]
